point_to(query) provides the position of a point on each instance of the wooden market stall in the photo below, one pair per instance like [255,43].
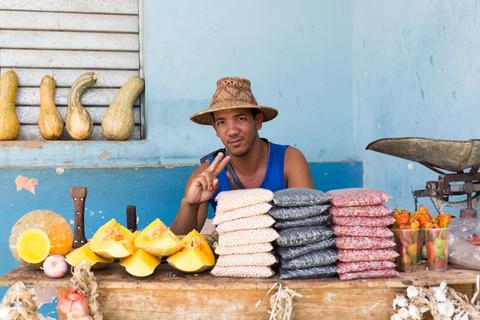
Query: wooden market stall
[171,295]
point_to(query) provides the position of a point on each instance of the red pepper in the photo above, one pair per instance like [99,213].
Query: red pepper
[403,218]
[444,220]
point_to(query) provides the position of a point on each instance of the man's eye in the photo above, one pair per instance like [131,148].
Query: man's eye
[243,118]
[219,123]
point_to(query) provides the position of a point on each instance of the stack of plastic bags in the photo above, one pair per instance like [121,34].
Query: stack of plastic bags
[360,222]
[245,234]
[306,244]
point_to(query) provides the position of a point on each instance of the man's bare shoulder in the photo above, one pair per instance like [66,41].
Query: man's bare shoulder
[297,173]
[293,156]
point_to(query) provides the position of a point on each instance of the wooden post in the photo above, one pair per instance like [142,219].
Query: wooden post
[79,195]
[132,218]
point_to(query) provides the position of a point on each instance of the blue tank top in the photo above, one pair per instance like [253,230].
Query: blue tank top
[273,180]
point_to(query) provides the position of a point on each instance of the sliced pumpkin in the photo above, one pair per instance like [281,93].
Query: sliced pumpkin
[112,240]
[84,253]
[195,256]
[56,227]
[140,263]
[33,246]
[158,240]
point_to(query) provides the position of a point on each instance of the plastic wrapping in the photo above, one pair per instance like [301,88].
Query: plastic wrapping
[463,234]
[303,235]
[313,259]
[299,197]
[357,197]
[293,213]
[312,221]
[293,252]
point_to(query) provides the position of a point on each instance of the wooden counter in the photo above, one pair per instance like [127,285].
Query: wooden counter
[171,295]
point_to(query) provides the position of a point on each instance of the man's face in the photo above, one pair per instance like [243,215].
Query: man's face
[238,129]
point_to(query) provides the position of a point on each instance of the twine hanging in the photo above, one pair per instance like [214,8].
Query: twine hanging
[20,303]
[84,280]
[282,306]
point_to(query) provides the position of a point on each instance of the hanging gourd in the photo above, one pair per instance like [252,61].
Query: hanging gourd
[78,121]
[118,121]
[50,122]
[9,124]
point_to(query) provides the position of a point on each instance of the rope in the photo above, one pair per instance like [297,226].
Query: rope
[282,306]
[21,302]
[84,280]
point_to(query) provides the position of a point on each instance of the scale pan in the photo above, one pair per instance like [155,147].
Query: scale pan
[449,155]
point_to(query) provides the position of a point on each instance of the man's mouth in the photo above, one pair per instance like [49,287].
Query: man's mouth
[235,143]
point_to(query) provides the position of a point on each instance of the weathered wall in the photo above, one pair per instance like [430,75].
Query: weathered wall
[416,72]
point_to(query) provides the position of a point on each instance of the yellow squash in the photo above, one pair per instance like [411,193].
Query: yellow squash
[78,121]
[50,122]
[140,263]
[9,123]
[118,121]
[195,256]
[112,240]
[158,240]
[84,253]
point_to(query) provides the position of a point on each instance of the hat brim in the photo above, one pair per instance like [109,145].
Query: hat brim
[206,116]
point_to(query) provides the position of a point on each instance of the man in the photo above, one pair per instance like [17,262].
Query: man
[248,161]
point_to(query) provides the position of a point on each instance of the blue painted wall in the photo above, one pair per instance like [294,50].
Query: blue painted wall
[416,72]
[296,53]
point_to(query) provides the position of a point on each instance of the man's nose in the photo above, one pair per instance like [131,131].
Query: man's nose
[232,128]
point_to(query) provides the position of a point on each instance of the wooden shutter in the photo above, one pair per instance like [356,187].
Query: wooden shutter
[67,38]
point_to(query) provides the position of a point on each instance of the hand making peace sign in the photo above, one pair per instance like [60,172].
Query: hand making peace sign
[205,184]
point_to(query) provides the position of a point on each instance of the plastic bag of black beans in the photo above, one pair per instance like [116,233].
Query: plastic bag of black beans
[294,213]
[312,221]
[312,273]
[299,197]
[303,235]
[313,259]
[293,252]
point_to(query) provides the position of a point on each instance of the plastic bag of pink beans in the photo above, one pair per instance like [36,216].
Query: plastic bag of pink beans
[357,197]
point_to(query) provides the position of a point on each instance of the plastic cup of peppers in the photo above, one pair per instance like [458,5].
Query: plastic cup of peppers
[411,229]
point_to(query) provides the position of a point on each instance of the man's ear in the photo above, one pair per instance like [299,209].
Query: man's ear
[259,120]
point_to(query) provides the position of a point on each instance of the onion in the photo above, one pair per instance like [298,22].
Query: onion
[55,266]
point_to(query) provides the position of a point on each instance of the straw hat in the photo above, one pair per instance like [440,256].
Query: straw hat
[232,93]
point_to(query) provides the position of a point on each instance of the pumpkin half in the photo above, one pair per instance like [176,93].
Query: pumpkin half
[158,240]
[84,253]
[33,246]
[195,256]
[53,225]
[112,240]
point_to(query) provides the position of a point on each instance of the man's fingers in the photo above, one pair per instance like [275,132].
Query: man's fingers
[208,177]
[222,165]
[203,181]
[215,185]
[215,162]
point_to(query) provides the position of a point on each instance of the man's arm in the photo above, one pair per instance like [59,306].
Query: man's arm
[200,188]
[297,173]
